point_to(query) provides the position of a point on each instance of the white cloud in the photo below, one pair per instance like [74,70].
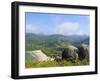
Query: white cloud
[68,28]
[31,29]
[64,28]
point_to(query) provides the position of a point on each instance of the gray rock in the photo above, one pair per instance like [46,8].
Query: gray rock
[70,53]
[38,55]
[83,52]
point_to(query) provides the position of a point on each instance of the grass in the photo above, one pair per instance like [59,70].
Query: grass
[33,64]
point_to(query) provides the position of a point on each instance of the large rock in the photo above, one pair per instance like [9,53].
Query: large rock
[70,53]
[83,52]
[38,55]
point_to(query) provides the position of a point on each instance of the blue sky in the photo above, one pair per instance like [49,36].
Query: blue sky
[65,24]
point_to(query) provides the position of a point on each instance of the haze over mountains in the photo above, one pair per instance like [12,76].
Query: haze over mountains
[74,39]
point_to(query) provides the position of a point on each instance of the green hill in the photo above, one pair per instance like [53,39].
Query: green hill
[51,44]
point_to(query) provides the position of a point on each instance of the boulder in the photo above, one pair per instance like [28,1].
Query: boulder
[38,55]
[83,52]
[70,53]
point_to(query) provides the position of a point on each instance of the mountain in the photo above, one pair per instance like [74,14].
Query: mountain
[56,37]
[52,44]
[53,41]
[86,41]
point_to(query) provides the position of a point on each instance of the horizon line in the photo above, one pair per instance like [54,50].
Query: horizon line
[56,34]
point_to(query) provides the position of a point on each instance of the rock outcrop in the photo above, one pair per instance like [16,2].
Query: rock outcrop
[83,52]
[38,55]
[70,53]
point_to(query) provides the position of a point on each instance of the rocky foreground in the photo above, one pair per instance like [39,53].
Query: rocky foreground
[71,53]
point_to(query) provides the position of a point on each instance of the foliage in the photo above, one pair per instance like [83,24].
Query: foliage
[33,64]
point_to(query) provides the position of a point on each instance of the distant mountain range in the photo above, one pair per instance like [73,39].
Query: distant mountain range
[74,39]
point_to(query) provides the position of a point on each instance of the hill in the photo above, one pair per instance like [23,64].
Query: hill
[52,44]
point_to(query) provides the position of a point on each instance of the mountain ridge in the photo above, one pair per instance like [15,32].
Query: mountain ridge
[71,38]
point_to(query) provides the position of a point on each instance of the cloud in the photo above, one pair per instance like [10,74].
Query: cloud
[31,29]
[64,28]
[68,28]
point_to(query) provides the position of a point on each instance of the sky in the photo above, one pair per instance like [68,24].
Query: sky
[49,24]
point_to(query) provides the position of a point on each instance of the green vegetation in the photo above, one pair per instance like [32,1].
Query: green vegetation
[52,46]
[32,64]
